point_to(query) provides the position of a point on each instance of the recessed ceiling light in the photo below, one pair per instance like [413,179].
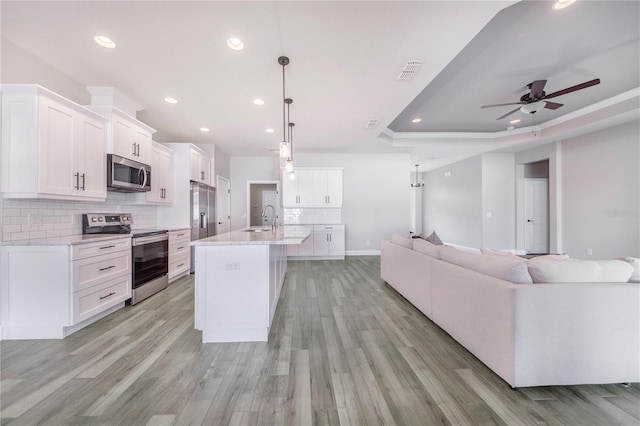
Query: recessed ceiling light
[561,4]
[258,101]
[204,129]
[416,120]
[105,42]
[235,44]
[517,120]
[171,100]
[269,130]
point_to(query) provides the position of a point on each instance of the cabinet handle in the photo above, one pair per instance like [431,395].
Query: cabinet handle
[133,146]
[108,295]
[180,235]
[180,248]
[202,175]
[182,264]
[138,150]
[329,237]
[106,247]
[77,175]
[108,267]
[83,176]
[328,199]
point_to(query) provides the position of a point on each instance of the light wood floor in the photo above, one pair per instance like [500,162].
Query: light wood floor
[345,349]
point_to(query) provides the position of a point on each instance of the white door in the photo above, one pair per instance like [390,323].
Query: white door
[269,198]
[223,204]
[536,204]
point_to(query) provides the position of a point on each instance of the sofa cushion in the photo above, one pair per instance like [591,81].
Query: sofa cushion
[506,268]
[427,248]
[562,256]
[402,241]
[633,261]
[579,271]
[434,239]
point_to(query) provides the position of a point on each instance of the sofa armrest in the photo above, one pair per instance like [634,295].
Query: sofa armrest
[409,273]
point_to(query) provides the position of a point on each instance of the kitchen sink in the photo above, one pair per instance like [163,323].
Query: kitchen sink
[257,230]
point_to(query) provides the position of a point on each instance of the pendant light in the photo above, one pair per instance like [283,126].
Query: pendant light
[284,145]
[417,184]
[289,164]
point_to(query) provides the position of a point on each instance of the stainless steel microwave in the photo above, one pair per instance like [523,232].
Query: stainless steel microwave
[124,175]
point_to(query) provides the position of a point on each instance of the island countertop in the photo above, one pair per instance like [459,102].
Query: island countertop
[248,236]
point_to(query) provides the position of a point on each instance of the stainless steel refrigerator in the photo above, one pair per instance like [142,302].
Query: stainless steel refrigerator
[203,214]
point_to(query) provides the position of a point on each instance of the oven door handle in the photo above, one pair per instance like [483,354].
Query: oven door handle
[151,239]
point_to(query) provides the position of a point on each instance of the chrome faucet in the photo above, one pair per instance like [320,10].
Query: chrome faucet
[274,224]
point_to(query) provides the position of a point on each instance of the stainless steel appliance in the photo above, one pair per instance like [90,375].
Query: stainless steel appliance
[124,175]
[149,247]
[203,214]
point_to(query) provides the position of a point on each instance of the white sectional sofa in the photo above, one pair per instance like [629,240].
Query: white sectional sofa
[528,334]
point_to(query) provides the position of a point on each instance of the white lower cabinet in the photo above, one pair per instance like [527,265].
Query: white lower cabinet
[179,253]
[325,242]
[69,287]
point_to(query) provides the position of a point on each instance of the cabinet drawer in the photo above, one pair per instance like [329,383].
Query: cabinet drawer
[98,269]
[179,248]
[81,251]
[328,228]
[92,301]
[175,236]
[179,264]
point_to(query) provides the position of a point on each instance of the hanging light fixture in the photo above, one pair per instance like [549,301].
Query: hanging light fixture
[284,145]
[288,166]
[417,184]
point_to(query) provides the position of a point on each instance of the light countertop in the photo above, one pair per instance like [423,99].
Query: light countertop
[283,235]
[67,240]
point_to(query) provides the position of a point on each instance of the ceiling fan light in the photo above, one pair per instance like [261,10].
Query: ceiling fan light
[284,149]
[561,4]
[533,107]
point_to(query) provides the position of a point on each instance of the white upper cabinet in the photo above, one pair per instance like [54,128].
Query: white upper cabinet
[126,136]
[52,147]
[313,188]
[200,166]
[162,188]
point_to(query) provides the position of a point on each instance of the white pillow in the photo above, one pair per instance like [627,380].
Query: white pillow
[402,241]
[493,252]
[506,268]
[635,262]
[580,271]
[426,247]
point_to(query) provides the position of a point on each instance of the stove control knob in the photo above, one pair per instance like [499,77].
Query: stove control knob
[100,219]
[94,219]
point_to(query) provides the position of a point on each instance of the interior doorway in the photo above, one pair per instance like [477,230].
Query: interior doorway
[535,207]
[259,196]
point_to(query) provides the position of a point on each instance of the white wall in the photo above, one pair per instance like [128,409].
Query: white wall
[601,193]
[375,192]
[498,201]
[453,204]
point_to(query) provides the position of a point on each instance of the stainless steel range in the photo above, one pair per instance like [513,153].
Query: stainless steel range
[150,251]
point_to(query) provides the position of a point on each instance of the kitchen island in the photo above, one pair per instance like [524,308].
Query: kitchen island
[238,278]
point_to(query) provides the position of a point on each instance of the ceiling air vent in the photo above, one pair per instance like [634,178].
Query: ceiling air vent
[371,123]
[409,70]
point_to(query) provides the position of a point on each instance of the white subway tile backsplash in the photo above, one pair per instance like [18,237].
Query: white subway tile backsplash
[308,216]
[28,219]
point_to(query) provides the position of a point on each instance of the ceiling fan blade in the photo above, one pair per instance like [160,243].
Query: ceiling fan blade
[496,105]
[536,88]
[552,105]
[508,114]
[573,88]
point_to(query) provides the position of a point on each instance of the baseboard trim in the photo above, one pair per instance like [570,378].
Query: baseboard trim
[362,253]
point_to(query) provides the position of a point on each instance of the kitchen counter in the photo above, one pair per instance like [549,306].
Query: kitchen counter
[283,235]
[68,240]
[239,276]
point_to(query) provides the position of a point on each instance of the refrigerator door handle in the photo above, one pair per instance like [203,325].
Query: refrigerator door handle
[203,220]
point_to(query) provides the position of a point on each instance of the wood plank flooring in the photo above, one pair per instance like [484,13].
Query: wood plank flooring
[344,349]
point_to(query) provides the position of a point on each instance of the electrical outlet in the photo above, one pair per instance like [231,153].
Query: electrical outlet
[233,266]
[368,243]
[66,219]
[35,220]
[590,251]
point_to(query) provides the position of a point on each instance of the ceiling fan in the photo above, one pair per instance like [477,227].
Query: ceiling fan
[535,100]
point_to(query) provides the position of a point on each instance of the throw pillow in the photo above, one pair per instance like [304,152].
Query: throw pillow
[425,247]
[505,268]
[580,271]
[402,241]
[633,261]
[434,239]
[493,252]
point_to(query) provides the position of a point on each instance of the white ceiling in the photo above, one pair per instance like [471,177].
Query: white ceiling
[345,58]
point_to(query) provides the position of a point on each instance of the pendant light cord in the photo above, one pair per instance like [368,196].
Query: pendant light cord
[284,126]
